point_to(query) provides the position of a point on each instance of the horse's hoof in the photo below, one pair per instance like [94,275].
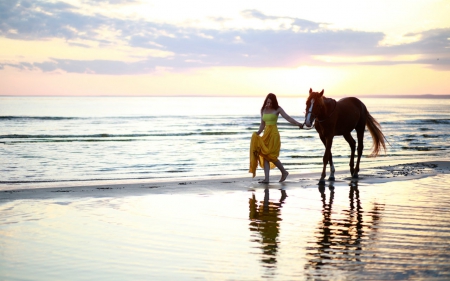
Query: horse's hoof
[331,179]
[321,181]
[355,177]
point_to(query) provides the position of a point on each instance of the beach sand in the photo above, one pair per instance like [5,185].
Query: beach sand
[385,173]
[393,223]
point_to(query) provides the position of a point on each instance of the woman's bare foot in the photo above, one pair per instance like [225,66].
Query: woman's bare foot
[284,176]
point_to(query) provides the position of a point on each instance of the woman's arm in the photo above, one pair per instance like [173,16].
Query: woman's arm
[288,118]
[262,125]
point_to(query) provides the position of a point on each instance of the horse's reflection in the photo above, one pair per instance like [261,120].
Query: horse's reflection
[265,222]
[339,240]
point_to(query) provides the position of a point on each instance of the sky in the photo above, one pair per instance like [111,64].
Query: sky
[224,48]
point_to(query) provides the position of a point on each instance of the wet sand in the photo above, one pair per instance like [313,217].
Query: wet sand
[393,172]
[393,223]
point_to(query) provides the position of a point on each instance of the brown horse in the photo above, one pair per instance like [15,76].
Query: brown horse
[339,118]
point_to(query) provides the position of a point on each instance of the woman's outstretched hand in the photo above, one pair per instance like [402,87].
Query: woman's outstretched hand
[300,126]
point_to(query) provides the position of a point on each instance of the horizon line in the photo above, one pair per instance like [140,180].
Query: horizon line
[238,96]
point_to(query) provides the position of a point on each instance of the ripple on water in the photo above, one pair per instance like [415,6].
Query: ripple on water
[403,234]
[346,231]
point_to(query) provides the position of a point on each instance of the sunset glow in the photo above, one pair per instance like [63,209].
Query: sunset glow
[244,48]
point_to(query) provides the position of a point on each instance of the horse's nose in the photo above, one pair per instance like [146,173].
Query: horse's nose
[307,123]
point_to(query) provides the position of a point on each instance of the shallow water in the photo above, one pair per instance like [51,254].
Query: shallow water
[55,141]
[349,231]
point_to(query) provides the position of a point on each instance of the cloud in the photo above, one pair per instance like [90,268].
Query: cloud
[96,66]
[300,23]
[114,2]
[290,42]
[37,20]
[436,41]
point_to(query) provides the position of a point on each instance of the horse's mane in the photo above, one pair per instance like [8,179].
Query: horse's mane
[323,99]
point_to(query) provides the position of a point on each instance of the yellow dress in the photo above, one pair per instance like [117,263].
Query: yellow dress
[265,147]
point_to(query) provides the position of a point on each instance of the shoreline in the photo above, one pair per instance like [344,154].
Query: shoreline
[368,175]
[393,223]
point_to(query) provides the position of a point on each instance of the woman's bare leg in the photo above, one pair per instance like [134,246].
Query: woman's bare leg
[284,173]
[266,171]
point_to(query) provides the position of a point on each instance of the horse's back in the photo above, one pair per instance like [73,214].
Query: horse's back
[352,101]
[352,114]
[350,104]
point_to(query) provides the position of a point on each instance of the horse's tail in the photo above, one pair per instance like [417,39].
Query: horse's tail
[377,136]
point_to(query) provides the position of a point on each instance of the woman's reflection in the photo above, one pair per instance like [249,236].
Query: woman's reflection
[265,222]
[339,239]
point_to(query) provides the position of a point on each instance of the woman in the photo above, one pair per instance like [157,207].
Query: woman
[266,149]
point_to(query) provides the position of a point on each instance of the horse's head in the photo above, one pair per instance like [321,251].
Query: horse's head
[314,105]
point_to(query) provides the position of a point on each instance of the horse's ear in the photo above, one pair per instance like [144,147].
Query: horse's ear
[310,90]
[321,93]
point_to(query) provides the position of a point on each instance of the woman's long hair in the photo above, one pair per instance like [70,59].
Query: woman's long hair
[274,101]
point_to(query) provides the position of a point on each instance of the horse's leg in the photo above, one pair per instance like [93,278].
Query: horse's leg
[360,134]
[330,160]
[351,141]
[332,170]
[326,158]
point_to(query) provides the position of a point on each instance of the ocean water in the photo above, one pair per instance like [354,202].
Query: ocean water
[56,141]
